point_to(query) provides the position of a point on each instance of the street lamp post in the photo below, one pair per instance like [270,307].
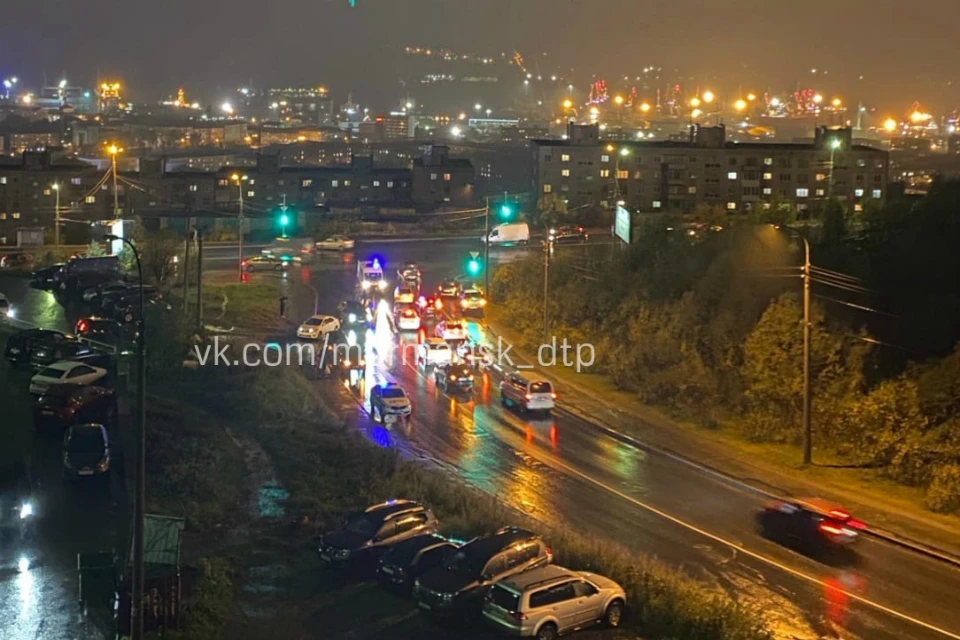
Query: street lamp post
[834,145]
[56,216]
[136,600]
[486,249]
[114,150]
[239,180]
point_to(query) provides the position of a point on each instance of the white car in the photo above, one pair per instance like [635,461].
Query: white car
[434,351]
[389,403]
[317,326]
[451,330]
[6,309]
[336,243]
[408,319]
[65,371]
[472,300]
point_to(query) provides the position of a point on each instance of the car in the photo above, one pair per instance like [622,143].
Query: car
[430,308]
[336,243]
[16,260]
[366,535]
[6,309]
[65,371]
[551,601]
[448,289]
[475,355]
[389,403]
[16,498]
[263,263]
[47,277]
[90,294]
[458,377]
[354,313]
[460,585]
[508,234]
[472,300]
[86,451]
[62,405]
[404,295]
[408,319]
[451,330]
[433,351]
[127,309]
[528,395]
[409,272]
[100,329]
[44,355]
[316,326]
[20,345]
[810,525]
[339,353]
[409,559]
[568,234]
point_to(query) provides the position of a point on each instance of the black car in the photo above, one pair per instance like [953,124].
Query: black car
[353,313]
[127,309]
[808,525]
[99,329]
[86,451]
[16,498]
[21,345]
[43,355]
[367,534]
[47,277]
[455,377]
[337,354]
[62,405]
[468,573]
[568,235]
[406,561]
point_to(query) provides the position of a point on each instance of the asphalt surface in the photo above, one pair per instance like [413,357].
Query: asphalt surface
[564,468]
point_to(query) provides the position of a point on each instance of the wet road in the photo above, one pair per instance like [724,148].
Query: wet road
[562,467]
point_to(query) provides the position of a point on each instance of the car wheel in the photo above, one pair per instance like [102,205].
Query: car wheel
[613,614]
[547,632]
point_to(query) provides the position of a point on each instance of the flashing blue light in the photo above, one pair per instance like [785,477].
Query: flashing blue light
[376,263]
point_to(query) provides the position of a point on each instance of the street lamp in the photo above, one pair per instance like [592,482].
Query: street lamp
[694,102]
[237,178]
[56,215]
[113,150]
[136,601]
[708,96]
[817,99]
[834,146]
[890,125]
[645,107]
[740,104]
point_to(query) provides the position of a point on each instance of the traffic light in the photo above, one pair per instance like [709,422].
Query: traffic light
[283,220]
[506,211]
[473,266]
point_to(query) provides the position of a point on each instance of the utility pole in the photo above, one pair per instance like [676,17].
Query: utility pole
[239,180]
[283,218]
[547,246]
[56,217]
[486,250]
[807,430]
[834,145]
[113,169]
[186,266]
[199,280]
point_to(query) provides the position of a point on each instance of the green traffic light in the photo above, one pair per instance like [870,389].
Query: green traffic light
[506,211]
[284,219]
[474,267]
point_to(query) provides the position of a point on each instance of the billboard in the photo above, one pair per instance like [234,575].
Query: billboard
[621,224]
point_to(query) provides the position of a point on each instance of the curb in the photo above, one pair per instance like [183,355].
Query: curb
[880,534]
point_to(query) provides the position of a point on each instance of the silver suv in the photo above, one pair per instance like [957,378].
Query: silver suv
[551,600]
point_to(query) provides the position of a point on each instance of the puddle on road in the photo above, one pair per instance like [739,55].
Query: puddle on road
[270,500]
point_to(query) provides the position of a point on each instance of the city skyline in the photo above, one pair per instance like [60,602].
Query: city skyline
[896,51]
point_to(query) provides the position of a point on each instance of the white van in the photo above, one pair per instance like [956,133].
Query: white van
[512,233]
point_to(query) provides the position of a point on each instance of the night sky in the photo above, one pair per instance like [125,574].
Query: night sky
[904,51]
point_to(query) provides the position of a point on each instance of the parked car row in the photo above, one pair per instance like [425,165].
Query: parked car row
[507,575]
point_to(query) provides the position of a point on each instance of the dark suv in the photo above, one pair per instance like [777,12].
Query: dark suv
[44,355]
[366,535]
[21,345]
[468,573]
[455,377]
[406,561]
[62,405]
[810,525]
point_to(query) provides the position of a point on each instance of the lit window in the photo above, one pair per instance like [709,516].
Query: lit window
[446,199]
[346,183]
[768,162]
[250,194]
[548,188]
[334,183]
[858,193]
[76,180]
[3,216]
[731,206]
[47,192]
[3,179]
[802,192]
[223,182]
[447,177]
[858,207]
[91,199]
[877,193]
[433,176]
[819,193]
[565,173]
[656,204]
[306,182]
[732,175]
[565,158]
[251,181]
[604,158]
[767,191]
[691,189]
[861,162]
[768,176]
[821,177]
[389,184]
[15,216]
[376,183]
[604,173]
[193,187]
[623,174]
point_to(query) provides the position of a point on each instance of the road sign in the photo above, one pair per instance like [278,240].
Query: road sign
[474,254]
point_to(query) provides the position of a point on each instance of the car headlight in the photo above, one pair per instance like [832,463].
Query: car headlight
[382,284]
[104,464]
[352,317]
[365,285]
[26,510]
[448,597]
[341,554]
[11,313]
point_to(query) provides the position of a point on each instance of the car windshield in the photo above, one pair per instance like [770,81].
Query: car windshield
[472,294]
[393,392]
[52,372]
[373,275]
[540,387]
[85,441]
[314,321]
[361,525]
[465,564]
[462,372]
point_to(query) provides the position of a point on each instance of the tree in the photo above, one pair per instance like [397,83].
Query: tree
[550,210]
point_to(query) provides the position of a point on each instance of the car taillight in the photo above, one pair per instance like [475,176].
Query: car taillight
[528,397]
[840,514]
[518,616]
[856,524]
[829,528]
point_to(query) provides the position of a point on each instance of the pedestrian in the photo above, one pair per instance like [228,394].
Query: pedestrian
[283,307]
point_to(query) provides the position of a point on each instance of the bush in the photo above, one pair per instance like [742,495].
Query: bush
[943,494]
[211,604]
